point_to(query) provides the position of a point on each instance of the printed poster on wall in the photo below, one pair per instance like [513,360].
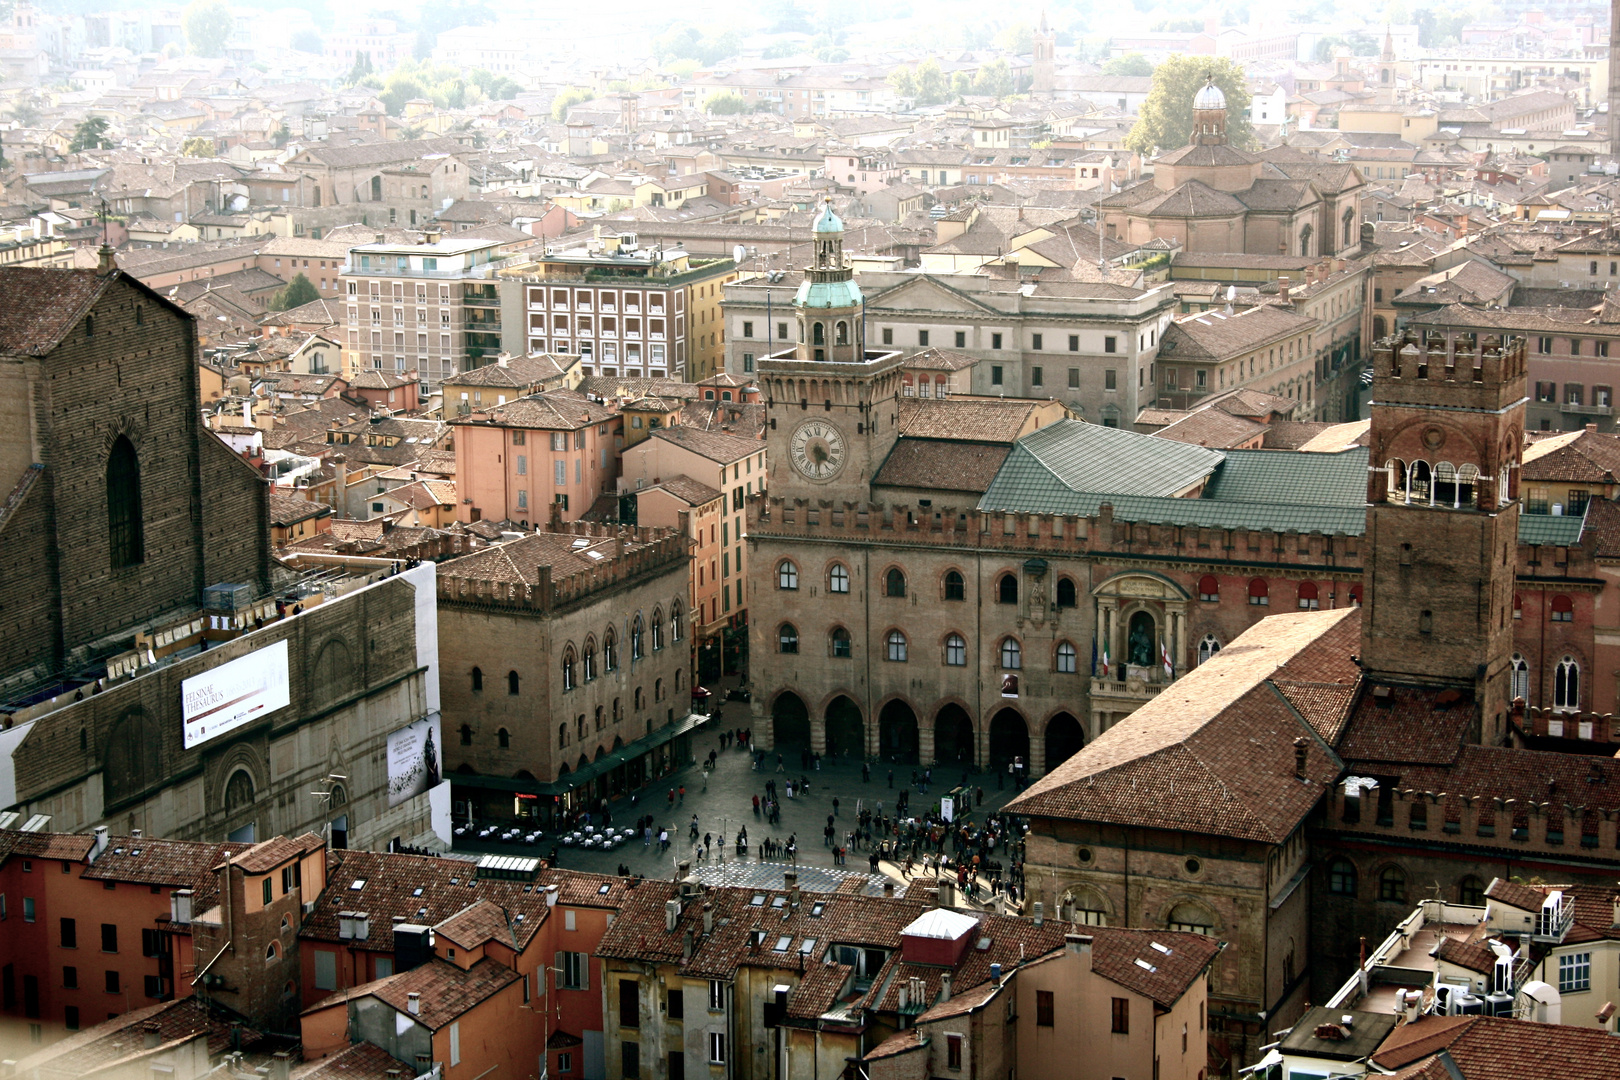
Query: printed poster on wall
[235,693]
[413,760]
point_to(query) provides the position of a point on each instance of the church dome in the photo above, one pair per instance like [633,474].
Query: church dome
[1210,96]
[827,221]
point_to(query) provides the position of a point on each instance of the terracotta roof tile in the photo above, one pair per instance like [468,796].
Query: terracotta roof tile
[448,991]
[265,856]
[1119,954]
[1498,1048]
[963,418]
[362,1061]
[180,863]
[44,304]
[942,464]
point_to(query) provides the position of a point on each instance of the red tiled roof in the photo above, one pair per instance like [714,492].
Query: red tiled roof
[1182,961]
[265,856]
[42,305]
[362,1061]
[181,863]
[1498,1048]
[447,991]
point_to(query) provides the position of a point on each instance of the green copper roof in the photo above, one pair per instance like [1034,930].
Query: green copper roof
[1071,457]
[828,294]
[1278,476]
[1547,529]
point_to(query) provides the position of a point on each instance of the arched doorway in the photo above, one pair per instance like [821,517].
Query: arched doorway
[1009,739]
[790,722]
[897,733]
[1064,738]
[953,737]
[846,733]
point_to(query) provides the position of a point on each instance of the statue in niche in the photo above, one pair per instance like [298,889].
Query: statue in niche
[1140,652]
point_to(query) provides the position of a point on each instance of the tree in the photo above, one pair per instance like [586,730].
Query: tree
[1129,64]
[726,104]
[904,82]
[208,25]
[197,146]
[360,70]
[307,41]
[994,79]
[1018,39]
[932,87]
[1165,122]
[90,135]
[566,100]
[281,135]
[25,112]
[297,292]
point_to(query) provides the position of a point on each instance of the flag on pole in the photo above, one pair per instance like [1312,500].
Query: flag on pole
[1164,654]
[1105,660]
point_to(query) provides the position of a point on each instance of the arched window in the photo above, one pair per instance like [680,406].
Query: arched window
[125,524]
[271,951]
[1342,877]
[841,333]
[1208,646]
[1421,482]
[1007,589]
[840,643]
[466,734]
[955,651]
[1209,588]
[955,588]
[1190,918]
[562,735]
[589,659]
[239,791]
[894,582]
[838,578]
[1392,884]
[579,724]
[1309,596]
[675,621]
[787,638]
[1085,907]
[1259,593]
[1067,658]
[610,650]
[1355,595]
[1567,684]
[897,646]
[503,738]
[787,575]
[568,669]
[1012,656]
[477,679]
[512,683]
[1563,609]
[1065,593]
[818,334]
[1519,681]
[1471,892]
[658,691]
[657,629]
[635,639]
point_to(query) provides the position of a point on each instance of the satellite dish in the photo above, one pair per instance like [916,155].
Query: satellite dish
[739,253]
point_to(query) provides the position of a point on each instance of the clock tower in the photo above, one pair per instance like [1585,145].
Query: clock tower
[832,405]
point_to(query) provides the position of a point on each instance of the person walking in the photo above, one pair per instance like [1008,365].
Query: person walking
[779,766]
[891,778]
[835,806]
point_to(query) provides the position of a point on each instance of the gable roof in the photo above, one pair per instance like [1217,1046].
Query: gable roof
[42,305]
[1048,467]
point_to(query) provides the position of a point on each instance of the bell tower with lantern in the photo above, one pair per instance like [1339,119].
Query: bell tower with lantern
[1443,508]
[832,406]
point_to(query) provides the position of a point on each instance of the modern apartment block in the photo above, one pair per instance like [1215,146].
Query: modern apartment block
[623,310]
[430,308]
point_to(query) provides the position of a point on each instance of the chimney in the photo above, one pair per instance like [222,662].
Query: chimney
[708,917]
[944,988]
[551,895]
[672,914]
[135,834]
[413,1003]
[151,1035]
[686,947]
[1301,751]
[280,1065]
[180,907]
[790,880]
[888,888]
[1283,284]
[100,843]
[995,974]
[1040,913]
[105,263]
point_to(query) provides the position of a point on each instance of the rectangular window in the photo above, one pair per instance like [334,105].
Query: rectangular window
[109,937]
[1035,342]
[70,978]
[575,972]
[630,1055]
[922,338]
[717,1048]
[1074,378]
[995,375]
[677,1004]
[1574,972]
[1110,344]
[152,986]
[961,339]
[748,329]
[523,464]
[1043,1008]
[1122,1016]
[151,943]
[995,341]
[717,996]
[70,1017]
[629,1003]
[677,1065]
[561,472]
[28,909]
[781,331]
[1544,345]
[953,1051]
[888,336]
[112,982]
[1074,342]
[1110,379]
[1036,377]
[325,970]
[455,1043]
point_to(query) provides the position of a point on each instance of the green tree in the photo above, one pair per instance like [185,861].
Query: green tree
[25,112]
[281,136]
[961,85]
[495,87]
[197,146]
[566,100]
[726,104]
[932,86]
[1129,64]
[208,24]
[904,81]
[296,293]
[1018,39]
[91,134]
[1165,121]
[307,41]
[994,79]
[360,71]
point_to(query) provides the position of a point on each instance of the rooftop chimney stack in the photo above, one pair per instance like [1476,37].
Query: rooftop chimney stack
[1040,913]
[151,1035]
[99,845]
[413,1003]
[1301,752]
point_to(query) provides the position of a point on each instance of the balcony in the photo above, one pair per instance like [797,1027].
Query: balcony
[481,301]
[483,272]
[1569,408]
[1117,695]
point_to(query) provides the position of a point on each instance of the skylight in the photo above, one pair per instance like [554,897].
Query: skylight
[1145,966]
[1162,948]
[783,942]
[807,946]
[604,889]
[359,883]
[417,891]
[758,900]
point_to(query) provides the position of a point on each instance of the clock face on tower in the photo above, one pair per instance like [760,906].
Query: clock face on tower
[817,449]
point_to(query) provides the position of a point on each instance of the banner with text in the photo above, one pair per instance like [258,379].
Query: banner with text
[235,693]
